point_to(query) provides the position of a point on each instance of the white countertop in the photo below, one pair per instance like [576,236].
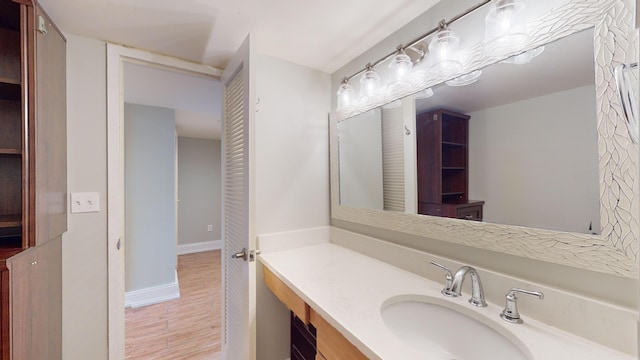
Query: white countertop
[348,290]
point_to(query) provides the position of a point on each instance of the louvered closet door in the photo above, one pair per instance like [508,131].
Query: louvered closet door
[237,228]
[393,159]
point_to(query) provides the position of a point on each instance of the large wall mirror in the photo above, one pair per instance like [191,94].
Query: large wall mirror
[525,165]
[537,152]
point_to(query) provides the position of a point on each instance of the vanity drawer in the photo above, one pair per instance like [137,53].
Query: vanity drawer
[331,344]
[287,296]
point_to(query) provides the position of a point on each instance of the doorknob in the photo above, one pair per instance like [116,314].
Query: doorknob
[240,255]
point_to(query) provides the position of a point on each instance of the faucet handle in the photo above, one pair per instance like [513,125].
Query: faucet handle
[510,312]
[448,277]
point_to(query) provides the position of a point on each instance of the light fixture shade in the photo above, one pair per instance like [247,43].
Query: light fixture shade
[444,53]
[505,26]
[369,85]
[525,57]
[400,67]
[466,79]
[346,96]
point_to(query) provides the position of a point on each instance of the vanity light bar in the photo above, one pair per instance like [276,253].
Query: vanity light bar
[443,24]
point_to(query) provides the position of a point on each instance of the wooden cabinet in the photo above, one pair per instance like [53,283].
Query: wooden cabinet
[331,343]
[13,150]
[471,210]
[33,185]
[442,140]
[37,302]
[312,337]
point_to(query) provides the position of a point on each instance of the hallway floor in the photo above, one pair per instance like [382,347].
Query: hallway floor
[187,328]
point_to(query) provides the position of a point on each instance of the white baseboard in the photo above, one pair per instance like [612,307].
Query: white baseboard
[199,247]
[152,295]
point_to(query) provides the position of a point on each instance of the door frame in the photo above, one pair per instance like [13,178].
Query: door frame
[116,57]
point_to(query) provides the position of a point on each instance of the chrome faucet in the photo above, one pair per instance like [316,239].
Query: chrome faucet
[453,286]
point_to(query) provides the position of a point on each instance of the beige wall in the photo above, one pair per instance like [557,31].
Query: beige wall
[84,247]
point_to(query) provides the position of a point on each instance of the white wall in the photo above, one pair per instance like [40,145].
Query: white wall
[361,182]
[518,175]
[292,187]
[84,246]
[292,173]
[149,192]
[199,185]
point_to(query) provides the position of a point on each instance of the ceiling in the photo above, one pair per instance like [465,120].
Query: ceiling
[322,35]
[564,64]
[197,101]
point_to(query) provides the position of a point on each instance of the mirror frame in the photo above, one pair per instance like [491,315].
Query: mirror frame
[613,252]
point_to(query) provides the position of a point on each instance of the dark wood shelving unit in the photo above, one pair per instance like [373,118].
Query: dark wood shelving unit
[442,155]
[11,220]
[33,187]
[11,130]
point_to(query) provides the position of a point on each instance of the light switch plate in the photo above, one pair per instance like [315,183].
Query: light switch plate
[82,202]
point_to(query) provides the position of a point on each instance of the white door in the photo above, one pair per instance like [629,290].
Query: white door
[238,264]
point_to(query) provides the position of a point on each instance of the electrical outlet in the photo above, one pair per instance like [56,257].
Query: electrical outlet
[209,227]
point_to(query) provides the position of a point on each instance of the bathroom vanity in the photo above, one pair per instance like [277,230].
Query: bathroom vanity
[355,303]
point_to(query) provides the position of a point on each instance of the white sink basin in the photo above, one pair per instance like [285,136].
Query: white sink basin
[446,330]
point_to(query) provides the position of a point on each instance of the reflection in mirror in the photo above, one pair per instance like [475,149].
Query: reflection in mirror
[372,159]
[520,146]
[532,141]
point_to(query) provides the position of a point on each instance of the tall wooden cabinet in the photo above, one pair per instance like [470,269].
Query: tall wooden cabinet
[32,181]
[442,141]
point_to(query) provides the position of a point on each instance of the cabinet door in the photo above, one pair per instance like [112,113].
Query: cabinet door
[50,132]
[20,284]
[5,312]
[36,302]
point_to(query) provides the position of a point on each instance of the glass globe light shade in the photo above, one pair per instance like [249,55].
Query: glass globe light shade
[400,67]
[525,57]
[369,85]
[466,79]
[444,52]
[505,26]
[346,96]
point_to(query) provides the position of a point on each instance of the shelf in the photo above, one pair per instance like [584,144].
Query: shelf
[452,193]
[13,152]
[9,81]
[448,143]
[7,221]
[10,91]
[7,252]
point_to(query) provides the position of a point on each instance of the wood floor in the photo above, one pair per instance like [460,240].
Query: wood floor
[188,328]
